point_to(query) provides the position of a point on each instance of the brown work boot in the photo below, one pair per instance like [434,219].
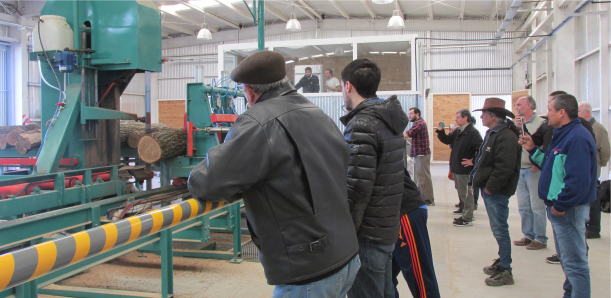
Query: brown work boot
[536,245]
[500,278]
[522,242]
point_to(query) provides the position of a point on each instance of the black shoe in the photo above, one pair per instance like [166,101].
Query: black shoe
[553,259]
[460,222]
[475,207]
[592,235]
[490,270]
[459,211]
[500,278]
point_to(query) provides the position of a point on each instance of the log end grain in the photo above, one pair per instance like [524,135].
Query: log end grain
[21,148]
[3,141]
[11,138]
[149,150]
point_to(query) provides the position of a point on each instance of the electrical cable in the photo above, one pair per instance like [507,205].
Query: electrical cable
[61,93]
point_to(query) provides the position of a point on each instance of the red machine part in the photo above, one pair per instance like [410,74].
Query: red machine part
[190,148]
[32,161]
[27,188]
[223,118]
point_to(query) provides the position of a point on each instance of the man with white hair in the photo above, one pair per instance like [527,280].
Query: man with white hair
[531,208]
[601,136]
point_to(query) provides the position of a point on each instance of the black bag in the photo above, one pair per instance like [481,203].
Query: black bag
[604,196]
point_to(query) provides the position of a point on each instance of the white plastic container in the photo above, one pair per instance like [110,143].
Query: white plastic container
[55,33]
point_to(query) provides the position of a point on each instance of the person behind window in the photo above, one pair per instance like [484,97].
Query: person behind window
[332,84]
[309,82]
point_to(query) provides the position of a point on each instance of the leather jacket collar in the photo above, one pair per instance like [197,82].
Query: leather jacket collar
[283,90]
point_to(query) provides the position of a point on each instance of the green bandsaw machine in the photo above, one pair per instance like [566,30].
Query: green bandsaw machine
[80,171]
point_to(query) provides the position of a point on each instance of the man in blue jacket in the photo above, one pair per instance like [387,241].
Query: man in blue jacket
[567,186]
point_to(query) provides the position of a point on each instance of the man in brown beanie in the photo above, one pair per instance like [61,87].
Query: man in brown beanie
[285,157]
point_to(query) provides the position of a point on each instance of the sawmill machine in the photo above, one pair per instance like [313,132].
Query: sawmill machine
[87,53]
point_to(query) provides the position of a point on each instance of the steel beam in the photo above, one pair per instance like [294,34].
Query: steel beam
[216,17]
[276,12]
[310,8]
[369,9]
[58,135]
[187,19]
[340,9]
[235,9]
[178,28]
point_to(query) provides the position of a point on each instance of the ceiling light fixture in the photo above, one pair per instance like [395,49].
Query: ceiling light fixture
[289,61]
[293,24]
[381,1]
[396,21]
[316,56]
[204,33]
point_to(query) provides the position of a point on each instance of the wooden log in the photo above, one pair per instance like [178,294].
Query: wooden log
[128,127]
[21,148]
[3,141]
[14,131]
[134,138]
[166,143]
[21,128]
[29,139]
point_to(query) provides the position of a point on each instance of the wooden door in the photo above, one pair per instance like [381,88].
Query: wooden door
[445,107]
[172,113]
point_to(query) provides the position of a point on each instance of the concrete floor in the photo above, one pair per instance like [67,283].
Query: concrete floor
[459,255]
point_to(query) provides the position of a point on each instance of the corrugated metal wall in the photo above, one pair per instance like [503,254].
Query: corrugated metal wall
[181,67]
[474,82]
[4,86]
[332,105]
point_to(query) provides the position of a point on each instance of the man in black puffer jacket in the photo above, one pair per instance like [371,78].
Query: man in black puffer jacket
[374,131]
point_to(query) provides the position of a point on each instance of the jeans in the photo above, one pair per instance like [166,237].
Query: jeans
[570,238]
[422,166]
[334,286]
[531,207]
[375,276]
[465,193]
[497,206]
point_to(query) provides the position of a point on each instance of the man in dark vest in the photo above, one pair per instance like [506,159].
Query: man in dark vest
[288,161]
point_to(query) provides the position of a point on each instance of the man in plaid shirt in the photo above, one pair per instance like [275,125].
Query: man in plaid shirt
[421,153]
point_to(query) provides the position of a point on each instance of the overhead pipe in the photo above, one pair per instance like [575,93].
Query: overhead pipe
[507,21]
[35,261]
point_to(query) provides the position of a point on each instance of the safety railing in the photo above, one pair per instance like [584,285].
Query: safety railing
[27,264]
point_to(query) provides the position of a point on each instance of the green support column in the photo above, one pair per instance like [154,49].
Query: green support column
[167,270]
[261,24]
[236,217]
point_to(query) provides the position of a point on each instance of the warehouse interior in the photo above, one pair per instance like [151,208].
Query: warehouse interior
[144,93]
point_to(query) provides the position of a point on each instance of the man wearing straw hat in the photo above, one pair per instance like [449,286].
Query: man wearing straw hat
[496,174]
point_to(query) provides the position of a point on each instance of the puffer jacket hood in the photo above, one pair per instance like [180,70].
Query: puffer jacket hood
[389,111]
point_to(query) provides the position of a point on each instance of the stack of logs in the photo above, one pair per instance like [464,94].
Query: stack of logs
[163,142]
[24,138]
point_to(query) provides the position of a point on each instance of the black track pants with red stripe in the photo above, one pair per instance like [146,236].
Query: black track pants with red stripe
[413,257]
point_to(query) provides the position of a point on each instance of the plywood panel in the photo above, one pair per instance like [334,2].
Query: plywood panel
[172,113]
[515,95]
[444,109]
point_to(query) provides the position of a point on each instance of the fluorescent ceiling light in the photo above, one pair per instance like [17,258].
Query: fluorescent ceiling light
[174,8]
[289,61]
[389,52]
[403,53]
[329,54]
[382,1]
[204,3]
[348,51]
[316,56]
[374,52]
[304,58]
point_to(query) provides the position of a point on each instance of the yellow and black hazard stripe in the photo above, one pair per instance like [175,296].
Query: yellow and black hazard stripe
[30,263]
